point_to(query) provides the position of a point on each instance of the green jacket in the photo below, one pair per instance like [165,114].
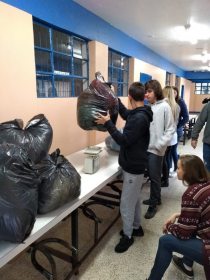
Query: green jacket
[203,118]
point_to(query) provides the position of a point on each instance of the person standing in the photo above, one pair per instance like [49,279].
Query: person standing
[133,141]
[183,115]
[183,119]
[161,131]
[188,232]
[203,119]
[168,93]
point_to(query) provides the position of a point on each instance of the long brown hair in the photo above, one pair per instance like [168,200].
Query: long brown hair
[194,170]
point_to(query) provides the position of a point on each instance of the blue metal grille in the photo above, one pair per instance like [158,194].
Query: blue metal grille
[61,62]
[118,72]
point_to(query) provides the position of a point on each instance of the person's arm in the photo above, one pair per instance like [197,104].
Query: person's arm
[202,118]
[184,114]
[123,111]
[186,226]
[169,128]
[169,221]
[131,132]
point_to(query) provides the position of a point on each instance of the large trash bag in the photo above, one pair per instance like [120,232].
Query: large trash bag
[111,143]
[60,182]
[97,98]
[18,193]
[36,138]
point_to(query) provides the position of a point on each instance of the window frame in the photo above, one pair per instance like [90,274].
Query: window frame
[199,88]
[69,79]
[116,74]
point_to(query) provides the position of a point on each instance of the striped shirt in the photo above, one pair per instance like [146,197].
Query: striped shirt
[194,219]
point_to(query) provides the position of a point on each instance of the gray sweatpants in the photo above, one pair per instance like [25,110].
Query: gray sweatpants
[130,205]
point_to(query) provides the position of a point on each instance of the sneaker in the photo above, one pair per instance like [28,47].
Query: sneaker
[136,232]
[148,202]
[151,211]
[177,261]
[164,184]
[124,244]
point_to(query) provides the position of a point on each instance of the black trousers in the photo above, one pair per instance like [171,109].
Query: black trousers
[155,170]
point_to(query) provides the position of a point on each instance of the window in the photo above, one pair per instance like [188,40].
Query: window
[118,72]
[202,88]
[168,79]
[61,62]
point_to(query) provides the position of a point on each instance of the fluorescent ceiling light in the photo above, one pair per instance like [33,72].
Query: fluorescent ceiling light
[191,32]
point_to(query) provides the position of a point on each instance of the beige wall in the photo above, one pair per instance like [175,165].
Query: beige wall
[18,84]
[139,66]
[187,91]
[196,100]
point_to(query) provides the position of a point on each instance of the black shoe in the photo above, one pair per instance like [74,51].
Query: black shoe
[124,244]
[151,211]
[148,202]
[136,232]
[177,261]
[164,184]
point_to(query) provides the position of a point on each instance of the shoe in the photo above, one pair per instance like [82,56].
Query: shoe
[151,211]
[164,184]
[124,244]
[172,174]
[148,202]
[136,232]
[177,261]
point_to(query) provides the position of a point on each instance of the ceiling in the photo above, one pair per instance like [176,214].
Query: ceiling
[156,23]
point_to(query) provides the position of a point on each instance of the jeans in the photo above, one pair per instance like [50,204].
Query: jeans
[155,170]
[179,133]
[174,156]
[191,249]
[206,156]
[166,164]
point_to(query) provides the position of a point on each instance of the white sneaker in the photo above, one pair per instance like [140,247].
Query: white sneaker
[172,174]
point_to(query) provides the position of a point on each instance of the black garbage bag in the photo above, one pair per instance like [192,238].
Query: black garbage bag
[36,138]
[111,143]
[18,193]
[97,98]
[60,182]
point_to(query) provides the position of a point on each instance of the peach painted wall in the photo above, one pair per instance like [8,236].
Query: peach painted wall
[187,91]
[18,84]
[140,66]
[196,100]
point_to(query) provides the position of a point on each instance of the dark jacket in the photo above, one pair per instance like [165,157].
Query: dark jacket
[184,114]
[134,140]
[203,119]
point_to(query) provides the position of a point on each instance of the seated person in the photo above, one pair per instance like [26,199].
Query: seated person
[188,232]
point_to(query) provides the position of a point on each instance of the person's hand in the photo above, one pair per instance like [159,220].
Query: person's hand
[169,221]
[101,119]
[194,143]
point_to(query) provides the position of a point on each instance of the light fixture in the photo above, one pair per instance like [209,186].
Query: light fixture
[68,46]
[191,32]
[204,56]
[190,36]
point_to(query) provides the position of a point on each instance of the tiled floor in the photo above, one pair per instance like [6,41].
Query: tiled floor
[103,263]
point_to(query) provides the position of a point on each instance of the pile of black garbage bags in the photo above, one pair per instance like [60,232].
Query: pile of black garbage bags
[31,180]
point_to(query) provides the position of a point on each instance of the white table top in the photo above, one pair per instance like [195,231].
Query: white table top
[90,184]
